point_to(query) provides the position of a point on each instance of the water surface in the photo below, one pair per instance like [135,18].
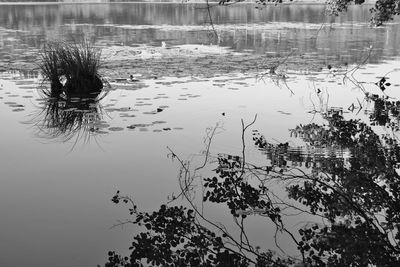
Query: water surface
[56,183]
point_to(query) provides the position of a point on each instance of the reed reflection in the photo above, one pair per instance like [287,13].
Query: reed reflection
[63,117]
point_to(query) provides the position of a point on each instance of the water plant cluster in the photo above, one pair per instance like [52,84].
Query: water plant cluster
[71,107]
[72,69]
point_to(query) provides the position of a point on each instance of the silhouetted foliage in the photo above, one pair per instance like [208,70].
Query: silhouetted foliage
[357,198]
[385,112]
[173,237]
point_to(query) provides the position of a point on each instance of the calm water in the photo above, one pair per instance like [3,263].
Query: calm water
[57,179]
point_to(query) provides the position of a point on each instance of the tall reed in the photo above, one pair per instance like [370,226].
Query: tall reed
[72,68]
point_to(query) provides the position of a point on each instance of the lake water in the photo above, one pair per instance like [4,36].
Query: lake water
[57,178]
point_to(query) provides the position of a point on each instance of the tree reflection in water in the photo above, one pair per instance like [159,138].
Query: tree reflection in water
[359,199]
[386,112]
[64,117]
[352,204]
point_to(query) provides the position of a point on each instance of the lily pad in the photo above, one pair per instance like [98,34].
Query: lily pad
[101,132]
[115,129]
[124,115]
[159,122]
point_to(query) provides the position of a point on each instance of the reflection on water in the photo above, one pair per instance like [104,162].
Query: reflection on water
[386,112]
[167,95]
[314,155]
[270,30]
[63,118]
[352,207]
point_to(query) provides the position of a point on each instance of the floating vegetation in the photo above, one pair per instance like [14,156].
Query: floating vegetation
[16,105]
[159,122]
[144,126]
[150,112]
[138,125]
[100,125]
[125,115]
[115,129]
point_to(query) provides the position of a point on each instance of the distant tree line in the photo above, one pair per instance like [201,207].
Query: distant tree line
[383,10]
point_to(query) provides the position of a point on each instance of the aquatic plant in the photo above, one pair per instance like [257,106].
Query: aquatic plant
[80,65]
[71,104]
[72,68]
[50,65]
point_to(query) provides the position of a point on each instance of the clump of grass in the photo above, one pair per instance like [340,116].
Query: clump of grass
[50,65]
[72,68]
